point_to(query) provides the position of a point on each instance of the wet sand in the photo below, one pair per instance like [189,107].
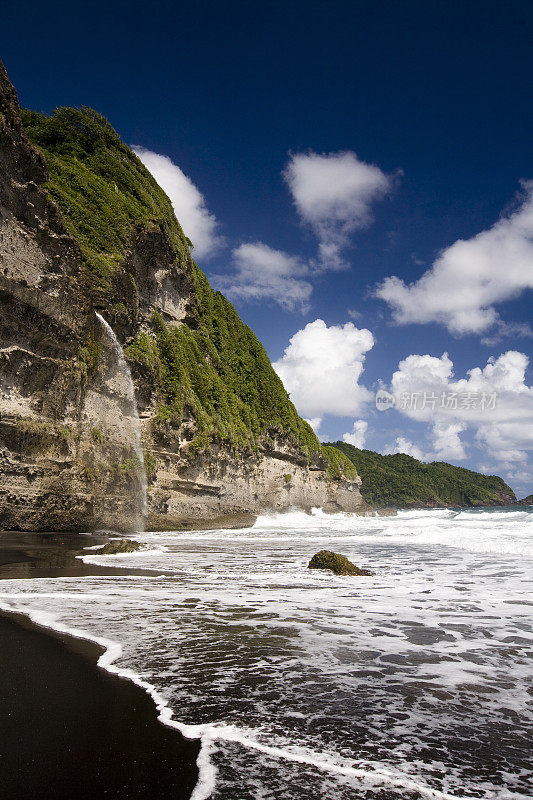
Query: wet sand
[68,729]
[50,555]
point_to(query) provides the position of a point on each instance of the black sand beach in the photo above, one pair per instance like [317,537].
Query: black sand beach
[67,728]
[50,555]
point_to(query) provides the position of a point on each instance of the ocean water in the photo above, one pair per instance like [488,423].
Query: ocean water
[413,683]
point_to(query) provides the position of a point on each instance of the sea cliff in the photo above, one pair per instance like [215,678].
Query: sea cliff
[84,228]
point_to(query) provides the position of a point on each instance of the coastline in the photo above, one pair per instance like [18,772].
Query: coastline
[475,558]
[69,728]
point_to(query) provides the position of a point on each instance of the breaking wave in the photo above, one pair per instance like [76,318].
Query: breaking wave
[412,683]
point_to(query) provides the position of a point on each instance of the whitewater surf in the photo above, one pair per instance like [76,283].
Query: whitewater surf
[412,683]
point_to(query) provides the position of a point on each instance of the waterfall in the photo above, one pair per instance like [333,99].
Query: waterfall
[131,410]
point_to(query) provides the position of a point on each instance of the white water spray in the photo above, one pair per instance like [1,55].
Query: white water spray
[131,410]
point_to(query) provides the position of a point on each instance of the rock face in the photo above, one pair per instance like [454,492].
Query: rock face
[335,562]
[67,459]
[220,484]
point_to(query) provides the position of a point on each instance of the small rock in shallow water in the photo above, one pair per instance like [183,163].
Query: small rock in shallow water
[335,562]
[120,546]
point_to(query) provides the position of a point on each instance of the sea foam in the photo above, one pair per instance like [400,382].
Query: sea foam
[299,682]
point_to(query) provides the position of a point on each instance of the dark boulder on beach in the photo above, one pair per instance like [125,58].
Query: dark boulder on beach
[120,546]
[335,562]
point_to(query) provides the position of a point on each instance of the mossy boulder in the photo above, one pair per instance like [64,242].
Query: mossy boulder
[335,562]
[120,546]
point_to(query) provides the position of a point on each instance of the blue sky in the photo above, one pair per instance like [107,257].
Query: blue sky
[316,150]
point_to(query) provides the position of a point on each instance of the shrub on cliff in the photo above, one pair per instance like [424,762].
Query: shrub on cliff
[101,187]
[339,465]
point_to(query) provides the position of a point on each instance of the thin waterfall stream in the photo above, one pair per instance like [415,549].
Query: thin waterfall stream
[132,413]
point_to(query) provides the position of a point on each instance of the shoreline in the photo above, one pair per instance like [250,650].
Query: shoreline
[401,780]
[74,727]
[240,520]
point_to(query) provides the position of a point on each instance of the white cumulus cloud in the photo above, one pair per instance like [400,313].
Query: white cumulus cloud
[404,445]
[315,423]
[333,193]
[446,444]
[197,222]
[321,368]
[494,402]
[262,273]
[470,277]
[357,435]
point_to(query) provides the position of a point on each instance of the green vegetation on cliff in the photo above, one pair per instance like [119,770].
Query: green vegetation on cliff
[400,481]
[210,371]
[339,464]
[219,374]
[101,187]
